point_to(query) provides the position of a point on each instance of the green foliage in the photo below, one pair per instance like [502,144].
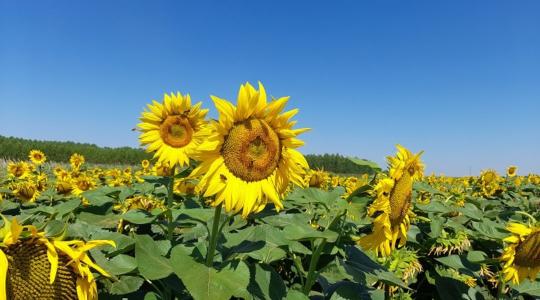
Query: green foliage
[339,164]
[18,149]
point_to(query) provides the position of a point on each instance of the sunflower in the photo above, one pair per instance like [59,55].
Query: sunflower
[33,266]
[19,169]
[76,161]
[318,179]
[82,183]
[393,203]
[173,129]
[249,159]
[521,256]
[26,190]
[37,157]
[489,182]
[511,171]
[145,164]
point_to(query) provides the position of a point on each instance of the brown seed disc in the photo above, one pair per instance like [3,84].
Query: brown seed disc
[28,274]
[251,150]
[176,131]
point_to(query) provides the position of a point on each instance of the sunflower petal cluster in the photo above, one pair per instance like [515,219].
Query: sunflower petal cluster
[173,129]
[250,156]
[392,205]
[521,256]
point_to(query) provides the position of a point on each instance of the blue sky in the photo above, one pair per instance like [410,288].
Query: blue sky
[457,79]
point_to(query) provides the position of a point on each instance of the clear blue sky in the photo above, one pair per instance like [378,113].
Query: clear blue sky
[458,79]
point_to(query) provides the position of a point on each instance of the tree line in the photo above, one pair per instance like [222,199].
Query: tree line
[17,149]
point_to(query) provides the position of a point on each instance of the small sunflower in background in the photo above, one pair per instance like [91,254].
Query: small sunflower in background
[173,129]
[511,171]
[37,157]
[76,161]
[145,164]
[393,203]
[34,266]
[250,158]
[521,256]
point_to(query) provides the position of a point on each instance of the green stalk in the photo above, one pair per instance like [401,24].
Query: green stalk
[213,236]
[310,280]
[170,195]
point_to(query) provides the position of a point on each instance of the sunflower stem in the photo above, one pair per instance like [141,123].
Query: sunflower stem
[170,188]
[533,219]
[310,279]
[213,236]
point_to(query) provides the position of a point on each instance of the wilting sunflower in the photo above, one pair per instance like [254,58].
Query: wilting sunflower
[522,254]
[393,203]
[318,179]
[76,161]
[511,171]
[173,129]
[32,266]
[26,190]
[249,158]
[82,183]
[37,157]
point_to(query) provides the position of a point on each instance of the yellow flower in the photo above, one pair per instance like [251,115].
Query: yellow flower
[76,161]
[521,256]
[173,129]
[317,178]
[37,157]
[145,164]
[25,190]
[511,171]
[19,169]
[32,266]
[489,182]
[393,203]
[82,183]
[250,158]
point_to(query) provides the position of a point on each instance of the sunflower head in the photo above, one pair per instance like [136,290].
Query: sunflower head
[26,190]
[405,163]
[173,129]
[76,161]
[19,169]
[37,157]
[511,171]
[521,256]
[145,164]
[35,266]
[83,183]
[249,158]
[317,178]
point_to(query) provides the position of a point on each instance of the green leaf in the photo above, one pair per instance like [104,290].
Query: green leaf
[66,207]
[296,295]
[459,263]
[126,285]
[138,217]
[151,264]
[109,221]
[528,287]
[205,282]
[266,283]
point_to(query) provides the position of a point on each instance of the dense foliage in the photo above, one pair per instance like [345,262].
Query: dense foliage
[18,149]
[340,164]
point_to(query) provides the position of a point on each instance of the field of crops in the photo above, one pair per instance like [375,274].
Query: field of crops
[229,208]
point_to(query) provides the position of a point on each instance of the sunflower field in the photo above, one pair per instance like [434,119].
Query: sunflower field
[228,208]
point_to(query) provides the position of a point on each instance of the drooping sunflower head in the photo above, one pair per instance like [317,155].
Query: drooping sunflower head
[521,256]
[250,157]
[26,190]
[173,129]
[37,157]
[143,202]
[317,178]
[34,266]
[76,161]
[511,171]
[489,176]
[19,169]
